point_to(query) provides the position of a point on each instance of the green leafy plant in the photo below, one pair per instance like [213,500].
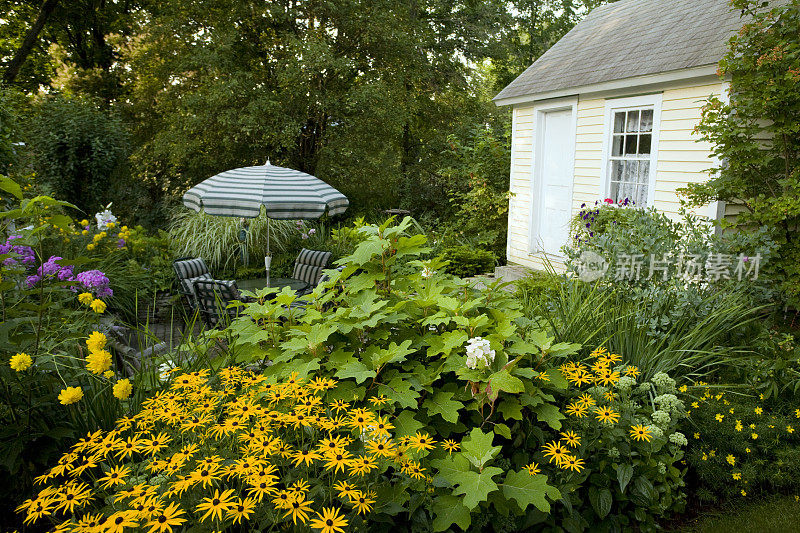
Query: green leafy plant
[454,365]
[465,261]
[57,381]
[755,132]
[77,148]
[741,446]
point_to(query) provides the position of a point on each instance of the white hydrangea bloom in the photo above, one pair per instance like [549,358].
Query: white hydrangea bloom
[479,353]
[427,272]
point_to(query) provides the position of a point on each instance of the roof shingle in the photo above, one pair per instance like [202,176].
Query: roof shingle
[631,38]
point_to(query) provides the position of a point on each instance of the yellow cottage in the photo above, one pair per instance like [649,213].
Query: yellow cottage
[609,112]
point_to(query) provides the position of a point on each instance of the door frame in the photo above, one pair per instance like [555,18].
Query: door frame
[560,104]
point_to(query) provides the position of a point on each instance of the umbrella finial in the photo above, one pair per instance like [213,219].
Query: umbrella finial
[267,163]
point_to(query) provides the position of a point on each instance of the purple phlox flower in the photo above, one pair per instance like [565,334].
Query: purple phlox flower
[583,205]
[588,225]
[50,269]
[746,259]
[312,231]
[304,236]
[591,234]
[96,282]
[25,253]
[121,243]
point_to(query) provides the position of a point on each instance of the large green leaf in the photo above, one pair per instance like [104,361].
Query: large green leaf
[624,475]
[400,390]
[478,447]
[405,424]
[503,381]
[527,490]
[445,343]
[511,409]
[449,467]
[10,186]
[601,501]
[449,510]
[356,370]
[441,403]
[394,353]
[549,414]
[476,486]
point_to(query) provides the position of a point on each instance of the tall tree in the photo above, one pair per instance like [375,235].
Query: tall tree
[13,66]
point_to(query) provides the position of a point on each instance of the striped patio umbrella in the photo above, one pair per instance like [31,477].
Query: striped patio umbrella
[284,194]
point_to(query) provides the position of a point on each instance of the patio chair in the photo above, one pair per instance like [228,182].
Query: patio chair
[213,297]
[308,267]
[188,270]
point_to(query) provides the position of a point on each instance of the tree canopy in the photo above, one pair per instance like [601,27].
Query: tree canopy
[366,95]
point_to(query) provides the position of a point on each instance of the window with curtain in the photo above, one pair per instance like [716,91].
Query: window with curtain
[629,157]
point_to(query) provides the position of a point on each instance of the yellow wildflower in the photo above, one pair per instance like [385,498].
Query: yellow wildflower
[96,341]
[85,298]
[21,362]
[122,389]
[70,395]
[98,306]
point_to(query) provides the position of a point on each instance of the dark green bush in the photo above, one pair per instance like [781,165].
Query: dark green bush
[739,446]
[538,284]
[466,261]
[77,148]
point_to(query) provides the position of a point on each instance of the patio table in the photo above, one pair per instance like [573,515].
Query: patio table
[274,283]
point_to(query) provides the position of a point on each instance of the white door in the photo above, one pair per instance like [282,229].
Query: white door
[555,175]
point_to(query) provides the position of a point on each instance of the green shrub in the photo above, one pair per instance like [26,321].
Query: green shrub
[454,364]
[536,285]
[465,261]
[77,148]
[46,320]
[741,446]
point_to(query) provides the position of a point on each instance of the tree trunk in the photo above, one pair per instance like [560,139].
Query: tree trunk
[12,69]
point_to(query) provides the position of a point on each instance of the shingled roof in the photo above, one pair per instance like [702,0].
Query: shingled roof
[631,38]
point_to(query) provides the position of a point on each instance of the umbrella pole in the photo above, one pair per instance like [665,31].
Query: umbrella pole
[268,259]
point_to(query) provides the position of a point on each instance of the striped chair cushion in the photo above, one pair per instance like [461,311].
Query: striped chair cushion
[213,297]
[309,265]
[189,288]
[189,268]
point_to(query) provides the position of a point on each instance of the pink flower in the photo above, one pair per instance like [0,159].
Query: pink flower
[608,201]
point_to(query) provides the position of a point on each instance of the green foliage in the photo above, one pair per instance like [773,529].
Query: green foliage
[465,261]
[216,239]
[46,322]
[402,338]
[661,333]
[77,148]
[537,284]
[8,130]
[479,168]
[756,134]
[774,370]
[742,446]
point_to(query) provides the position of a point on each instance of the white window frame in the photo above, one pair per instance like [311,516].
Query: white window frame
[625,104]
[560,104]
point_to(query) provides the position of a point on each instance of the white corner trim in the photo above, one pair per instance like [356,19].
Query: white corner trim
[641,82]
[616,104]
